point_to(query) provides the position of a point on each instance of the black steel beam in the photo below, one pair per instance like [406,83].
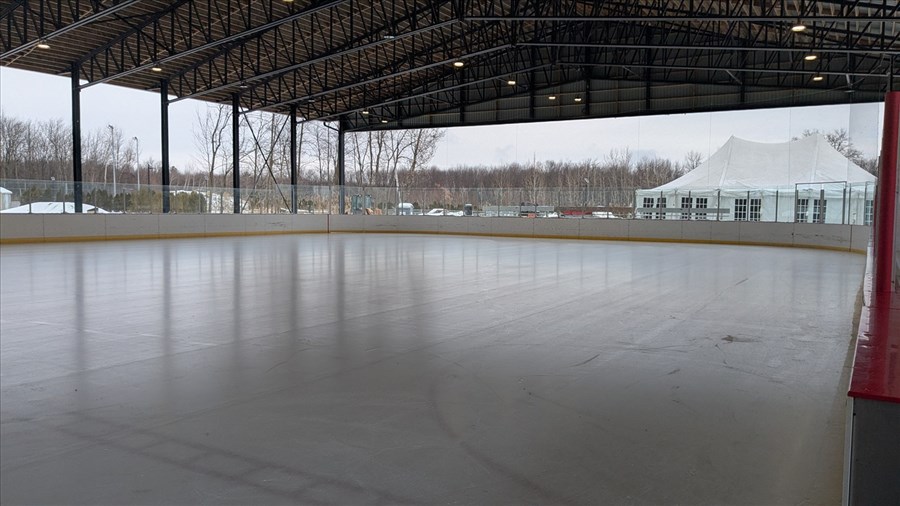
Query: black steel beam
[340,169]
[236,151]
[133,43]
[213,77]
[436,89]
[685,10]
[8,9]
[41,35]
[76,139]
[446,92]
[434,48]
[331,58]
[164,141]
[368,80]
[756,49]
[293,120]
[680,18]
[122,68]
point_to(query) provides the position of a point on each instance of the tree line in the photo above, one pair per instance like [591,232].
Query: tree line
[400,159]
[42,150]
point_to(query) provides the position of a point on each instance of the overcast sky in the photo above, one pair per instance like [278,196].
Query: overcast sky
[38,96]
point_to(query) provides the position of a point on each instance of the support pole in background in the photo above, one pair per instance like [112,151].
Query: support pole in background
[885,196]
[293,158]
[341,174]
[164,127]
[76,137]
[236,151]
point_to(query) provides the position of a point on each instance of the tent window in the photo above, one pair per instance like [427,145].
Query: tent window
[819,211]
[802,210]
[661,204]
[702,203]
[740,209]
[648,203]
[686,203]
[869,212]
[755,209]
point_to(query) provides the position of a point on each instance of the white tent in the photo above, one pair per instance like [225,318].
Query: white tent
[53,208]
[805,180]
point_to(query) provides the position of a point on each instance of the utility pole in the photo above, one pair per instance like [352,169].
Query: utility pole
[115,146]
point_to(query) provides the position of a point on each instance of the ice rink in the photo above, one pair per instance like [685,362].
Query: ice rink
[411,369]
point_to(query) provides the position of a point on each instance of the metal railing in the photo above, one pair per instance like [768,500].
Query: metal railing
[828,202]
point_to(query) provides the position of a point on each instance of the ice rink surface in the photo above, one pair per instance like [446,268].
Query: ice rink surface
[395,369]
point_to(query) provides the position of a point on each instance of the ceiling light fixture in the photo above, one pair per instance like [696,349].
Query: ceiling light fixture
[43,45]
[389,37]
[818,78]
[511,82]
[458,64]
[810,57]
[798,27]
[578,99]
[365,113]
[551,97]
[384,121]
[156,68]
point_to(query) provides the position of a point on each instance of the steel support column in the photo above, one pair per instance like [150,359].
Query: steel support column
[236,151]
[76,137]
[886,194]
[164,131]
[293,158]
[341,175]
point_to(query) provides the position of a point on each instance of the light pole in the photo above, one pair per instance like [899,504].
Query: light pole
[584,195]
[112,137]
[137,163]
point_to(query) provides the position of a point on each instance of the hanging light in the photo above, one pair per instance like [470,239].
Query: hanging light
[156,68]
[810,57]
[511,82]
[384,121]
[458,64]
[798,27]
[578,99]
[551,97]
[365,112]
[818,78]
[43,44]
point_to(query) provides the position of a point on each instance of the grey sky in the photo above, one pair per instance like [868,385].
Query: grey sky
[37,96]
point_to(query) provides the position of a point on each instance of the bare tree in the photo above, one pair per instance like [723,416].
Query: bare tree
[320,148]
[692,160]
[840,140]
[423,145]
[12,141]
[209,139]
[267,134]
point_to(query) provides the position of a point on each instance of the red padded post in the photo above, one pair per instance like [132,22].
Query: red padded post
[885,196]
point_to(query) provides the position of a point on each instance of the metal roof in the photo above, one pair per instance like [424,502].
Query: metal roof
[390,63]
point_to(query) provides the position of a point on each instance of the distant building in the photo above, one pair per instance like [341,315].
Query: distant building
[5,198]
[803,181]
